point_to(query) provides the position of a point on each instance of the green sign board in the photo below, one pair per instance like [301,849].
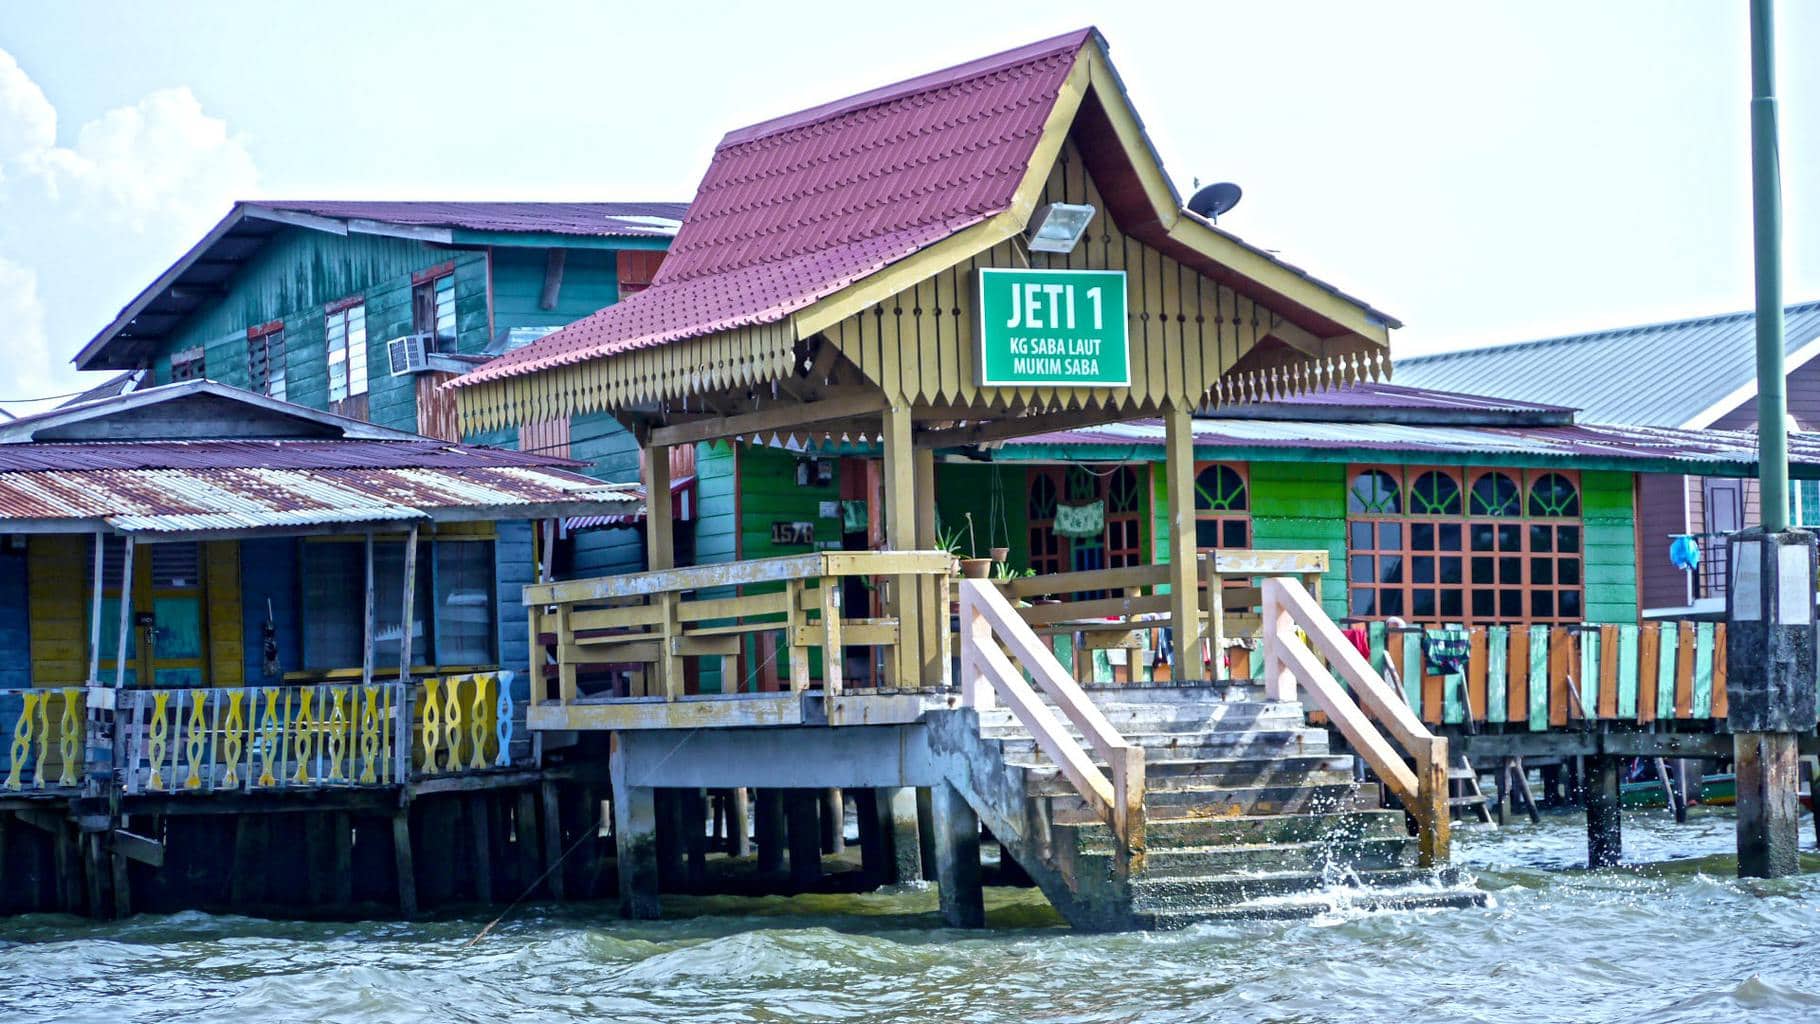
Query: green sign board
[1062,327]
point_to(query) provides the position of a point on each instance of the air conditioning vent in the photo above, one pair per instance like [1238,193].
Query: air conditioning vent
[409,354]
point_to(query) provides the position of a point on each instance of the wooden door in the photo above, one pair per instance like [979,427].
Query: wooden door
[1725,515]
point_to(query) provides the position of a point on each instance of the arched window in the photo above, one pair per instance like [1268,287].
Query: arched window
[1553,496]
[1222,507]
[1495,494]
[1124,512]
[1435,493]
[1374,493]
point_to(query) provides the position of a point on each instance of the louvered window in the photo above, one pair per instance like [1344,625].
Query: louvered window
[265,360]
[347,352]
[189,364]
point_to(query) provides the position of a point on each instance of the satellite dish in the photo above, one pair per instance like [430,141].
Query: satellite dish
[1215,199]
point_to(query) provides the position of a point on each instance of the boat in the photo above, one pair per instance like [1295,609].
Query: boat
[1720,789]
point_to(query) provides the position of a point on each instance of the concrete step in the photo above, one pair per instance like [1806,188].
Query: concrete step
[1203,773]
[1183,894]
[1312,858]
[1340,827]
[1023,748]
[1313,904]
[1172,804]
[1169,718]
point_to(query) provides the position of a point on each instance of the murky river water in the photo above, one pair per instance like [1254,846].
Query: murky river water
[1673,937]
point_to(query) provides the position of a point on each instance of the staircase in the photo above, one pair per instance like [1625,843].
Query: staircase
[1230,805]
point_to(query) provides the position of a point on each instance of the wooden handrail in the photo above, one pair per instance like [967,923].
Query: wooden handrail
[1289,661]
[988,621]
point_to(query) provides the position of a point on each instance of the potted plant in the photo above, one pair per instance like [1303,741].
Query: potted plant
[972,566]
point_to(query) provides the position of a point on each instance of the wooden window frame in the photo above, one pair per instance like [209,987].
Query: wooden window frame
[189,364]
[351,400]
[1224,518]
[1458,567]
[430,282]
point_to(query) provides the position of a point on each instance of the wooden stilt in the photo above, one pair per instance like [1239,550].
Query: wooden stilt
[801,812]
[480,824]
[768,826]
[249,851]
[1520,778]
[1769,814]
[404,863]
[552,838]
[527,860]
[957,857]
[1604,832]
[342,843]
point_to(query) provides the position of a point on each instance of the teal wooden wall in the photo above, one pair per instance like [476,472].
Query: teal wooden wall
[966,487]
[590,282]
[15,622]
[1302,506]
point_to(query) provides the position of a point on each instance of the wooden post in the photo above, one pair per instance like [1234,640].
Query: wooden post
[480,825]
[660,553]
[900,535]
[635,839]
[126,620]
[1769,812]
[94,617]
[404,863]
[406,638]
[524,823]
[1185,613]
[1604,830]
[931,595]
[957,858]
[804,824]
[343,842]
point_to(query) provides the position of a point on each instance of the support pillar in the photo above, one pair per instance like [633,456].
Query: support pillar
[1184,557]
[902,841]
[694,816]
[1769,812]
[768,827]
[925,832]
[802,811]
[834,821]
[1604,832]
[957,858]
[932,593]
[552,837]
[670,832]
[402,862]
[635,841]
[739,823]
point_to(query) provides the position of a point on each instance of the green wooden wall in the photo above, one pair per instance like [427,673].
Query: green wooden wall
[965,488]
[1302,506]
[1608,511]
[590,282]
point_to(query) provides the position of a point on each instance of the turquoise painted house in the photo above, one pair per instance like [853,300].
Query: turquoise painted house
[366,308]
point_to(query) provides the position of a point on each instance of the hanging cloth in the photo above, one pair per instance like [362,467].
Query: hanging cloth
[1445,650]
[1080,520]
[853,518]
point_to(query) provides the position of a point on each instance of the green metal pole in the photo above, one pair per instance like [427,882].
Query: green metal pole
[1766,189]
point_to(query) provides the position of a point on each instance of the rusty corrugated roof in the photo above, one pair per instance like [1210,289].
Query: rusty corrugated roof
[608,220]
[794,209]
[301,484]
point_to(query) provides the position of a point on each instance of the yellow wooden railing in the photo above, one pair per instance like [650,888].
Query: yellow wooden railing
[48,734]
[654,622]
[988,620]
[1125,609]
[464,723]
[1312,658]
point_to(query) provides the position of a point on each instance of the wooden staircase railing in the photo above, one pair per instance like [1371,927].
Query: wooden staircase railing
[1289,661]
[987,621]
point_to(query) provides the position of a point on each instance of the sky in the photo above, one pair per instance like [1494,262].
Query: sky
[1484,172]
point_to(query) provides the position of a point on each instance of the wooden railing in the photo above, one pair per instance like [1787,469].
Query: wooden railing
[653,622]
[1289,660]
[987,621]
[44,732]
[1125,609]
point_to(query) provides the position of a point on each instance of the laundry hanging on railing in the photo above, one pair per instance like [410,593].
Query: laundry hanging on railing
[1446,651]
[1087,520]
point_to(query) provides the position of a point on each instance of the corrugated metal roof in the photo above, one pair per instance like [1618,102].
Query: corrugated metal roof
[609,220]
[1715,452]
[234,496]
[795,209]
[1376,395]
[254,454]
[1663,375]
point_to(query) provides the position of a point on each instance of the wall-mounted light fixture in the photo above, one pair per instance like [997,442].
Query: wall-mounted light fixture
[1058,227]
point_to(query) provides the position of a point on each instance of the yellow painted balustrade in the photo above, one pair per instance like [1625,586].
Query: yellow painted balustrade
[212,739]
[464,723]
[48,731]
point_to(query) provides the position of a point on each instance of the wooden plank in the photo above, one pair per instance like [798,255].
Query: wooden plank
[1516,690]
[1496,673]
[1411,669]
[1178,424]
[1684,671]
[1649,642]
[1606,707]
[1561,664]
[1703,671]
[716,712]
[1625,700]
[1477,684]
[1587,677]
[1668,649]
[1721,708]
[1538,677]
[1376,632]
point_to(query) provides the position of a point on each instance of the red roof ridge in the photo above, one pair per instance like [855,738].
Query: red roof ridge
[976,68]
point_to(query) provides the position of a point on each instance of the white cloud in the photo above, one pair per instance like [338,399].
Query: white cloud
[128,191]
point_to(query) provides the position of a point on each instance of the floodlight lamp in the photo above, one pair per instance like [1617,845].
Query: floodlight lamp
[1058,227]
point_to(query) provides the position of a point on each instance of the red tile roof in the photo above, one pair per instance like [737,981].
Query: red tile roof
[794,209]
